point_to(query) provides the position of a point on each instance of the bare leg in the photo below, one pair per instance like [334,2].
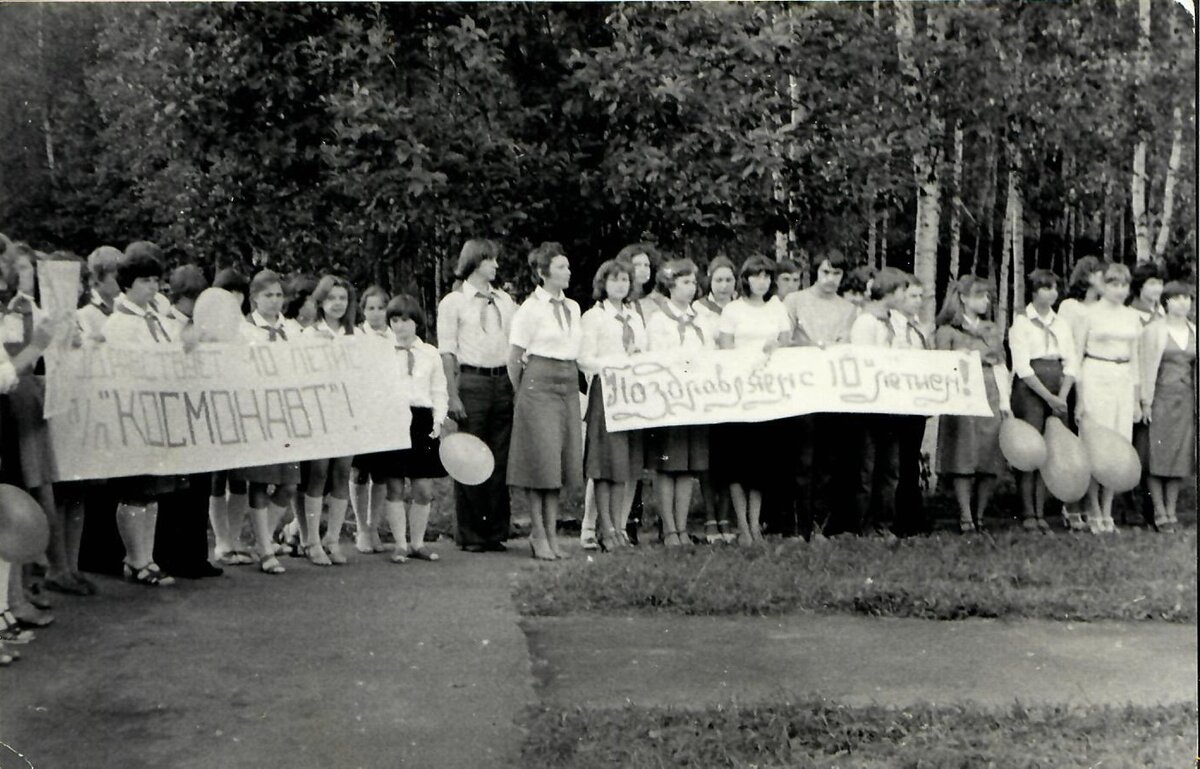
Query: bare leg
[737,495]
[1172,489]
[550,516]
[1106,506]
[664,484]
[1155,485]
[1095,514]
[683,504]
[755,509]
[603,497]
[983,495]
[962,494]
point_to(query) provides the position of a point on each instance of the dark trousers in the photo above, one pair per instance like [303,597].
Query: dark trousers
[878,447]
[834,457]
[181,536]
[787,506]
[101,550]
[482,512]
[910,501]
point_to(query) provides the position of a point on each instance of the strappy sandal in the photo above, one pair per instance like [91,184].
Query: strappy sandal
[236,558]
[966,526]
[11,630]
[271,565]
[335,554]
[149,575]
[422,554]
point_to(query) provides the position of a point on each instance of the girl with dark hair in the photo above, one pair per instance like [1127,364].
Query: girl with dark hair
[644,259]
[369,491]
[721,276]
[327,481]
[1146,290]
[612,461]
[298,304]
[969,447]
[546,453]
[1044,370]
[758,321]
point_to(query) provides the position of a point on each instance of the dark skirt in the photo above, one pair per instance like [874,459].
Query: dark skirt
[422,460]
[971,445]
[683,449]
[755,455]
[616,457]
[29,431]
[1172,433]
[1028,405]
[546,451]
[136,489]
[286,473]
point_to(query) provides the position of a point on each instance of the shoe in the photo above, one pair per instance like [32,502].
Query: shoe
[966,526]
[335,554]
[540,550]
[67,585]
[12,632]
[363,543]
[559,551]
[589,542]
[495,547]
[271,565]
[149,576]
[625,540]
[6,657]
[377,543]
[35,596]
[423,554]
[745,539]
[400,554]
[474,549]
[1044,526]
[236,558]
[610,541]
[88,585]
[1166,527]
[317,556]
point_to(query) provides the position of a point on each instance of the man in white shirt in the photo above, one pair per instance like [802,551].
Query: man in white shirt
[472,331]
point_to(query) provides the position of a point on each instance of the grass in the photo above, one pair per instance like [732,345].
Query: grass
[1136,576]
[818,734]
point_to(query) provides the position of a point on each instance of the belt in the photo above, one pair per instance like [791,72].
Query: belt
[467,368]
[1106,360]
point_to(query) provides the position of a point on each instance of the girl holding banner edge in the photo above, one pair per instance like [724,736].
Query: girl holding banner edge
[547,445]
[327,481]
[758,321]
[370,491]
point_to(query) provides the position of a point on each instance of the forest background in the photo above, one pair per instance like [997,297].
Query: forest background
[942,138]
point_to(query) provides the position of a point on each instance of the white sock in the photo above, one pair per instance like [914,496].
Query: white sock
[398,523]
[275,515]
[337,517]
[238,505]
[149,525]
[312,518]
[260,521]
[588,527]
[5,566]
[418,519]
[362,507]
[129,525]
[218,517]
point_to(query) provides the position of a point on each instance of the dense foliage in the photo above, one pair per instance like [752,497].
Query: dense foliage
[375,137]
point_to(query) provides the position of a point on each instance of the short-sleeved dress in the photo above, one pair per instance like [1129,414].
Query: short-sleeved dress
[684,448]
[1173,414]
[971,445]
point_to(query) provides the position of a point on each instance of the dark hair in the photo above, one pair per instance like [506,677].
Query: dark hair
[607,270]
[298,289]
[325,287]
[837,260]
[263,280]
[888,281]
[788,267]
[1143,272]
[231,279]
[540,258]
[8,268]
[142,260]
[856,281]
[475,252]
[406,307]
[1077,286]
[757,265]
[1177,288]
[1039,279]
[370,292]
[186,282]
[715,264]
[952,307]
[672,271]
[655,257]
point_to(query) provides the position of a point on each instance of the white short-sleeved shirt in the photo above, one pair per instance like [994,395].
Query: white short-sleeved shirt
[675,330]
[426,383]
[548,330]
[604,335]
[129,324]
[1033,336]
[753,325]
[368,330]
[92,316]
[257,329]
[474,326]
[320,326]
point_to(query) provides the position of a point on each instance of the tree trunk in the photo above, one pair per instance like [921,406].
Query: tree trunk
[1006,238]
[1137,184]
[987,204]
[871,234]
[1168,205]
[956,203]
[47,132]
[1109,225]
[883,240]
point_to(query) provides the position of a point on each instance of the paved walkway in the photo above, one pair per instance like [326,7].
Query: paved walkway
[700,661]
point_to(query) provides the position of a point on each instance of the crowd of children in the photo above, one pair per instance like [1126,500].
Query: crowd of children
[513,375]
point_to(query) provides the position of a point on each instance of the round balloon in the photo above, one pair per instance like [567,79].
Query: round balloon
[1022,445]
[1066,472]
[1114,460]
[218,316]
[467,459]
[24,532]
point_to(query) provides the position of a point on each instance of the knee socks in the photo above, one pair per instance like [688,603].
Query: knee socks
[218,517]
[418,519]
[362,507]
[260,521]
[129,526]
[337,517]
[398,523]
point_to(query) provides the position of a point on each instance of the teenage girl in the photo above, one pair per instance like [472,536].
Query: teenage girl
[327,481]
[752,457]
[722,289]
[612,461]
[370,492]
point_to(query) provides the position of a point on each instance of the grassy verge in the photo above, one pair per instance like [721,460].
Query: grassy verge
[1136,576]
[818,734]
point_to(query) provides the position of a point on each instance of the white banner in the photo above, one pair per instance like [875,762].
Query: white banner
[650,390]
[164,411]
[59,284]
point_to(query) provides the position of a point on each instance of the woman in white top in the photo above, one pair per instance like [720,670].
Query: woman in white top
[722,289]
[546,452]
[334,300]
[613,461]
[644,258]
[678,454]
[369,492]
[1044,370]
[1109,376]
[757,321]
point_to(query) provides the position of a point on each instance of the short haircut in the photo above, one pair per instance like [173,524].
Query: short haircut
[837,260]
[1143,272]
[1077,286]
[370,292]
[406,307]
[103,262]
[540,258]
[1177,288]
[788,267]
[298,289]
[856,281]
[262,280]
[756,265]
[607,270]
[671,272]
[1117,271]
[888,281]
[325,287]
[141,260]
[474,252]
[231,279]
[1039,279]
[186,282]
[8,268]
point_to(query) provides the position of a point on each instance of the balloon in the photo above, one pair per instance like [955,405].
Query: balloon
[467,459]
[1067,472]
[24,532]
[1022,445]
[1114,460]
[218,316]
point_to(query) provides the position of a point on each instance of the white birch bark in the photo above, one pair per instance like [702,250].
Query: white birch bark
[1137,183]
[956,203]
[1168,205]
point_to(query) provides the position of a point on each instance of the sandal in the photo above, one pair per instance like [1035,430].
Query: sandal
[335,553]
[589,542]
[966,526]
[11,630]
[1044,526]
[400,556]
[422,554]
[70,586]
[271,565]
[149,575]
[35,596]
[316,555]
[236,558]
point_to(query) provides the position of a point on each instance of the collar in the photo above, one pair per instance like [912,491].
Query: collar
[543,295]
[1031,313]
[176,314]
[416,343]
[620,310]
[98,300]
[367,329]
[668,307]
[262,322]
[471,291]
[338,330]
[1154,309]
[132,308]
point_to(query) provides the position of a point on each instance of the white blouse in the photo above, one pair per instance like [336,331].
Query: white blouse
[604,335]
[368,330]
[131,324]
[425,379]
[547,326]
[257,329]
[1035,336]
[675,330]
[753,325]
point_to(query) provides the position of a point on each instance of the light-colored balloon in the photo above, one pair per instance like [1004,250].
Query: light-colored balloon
[24,531]
[1114,460]
[1067,472]
[1022,445]
[467,459]
[218,316]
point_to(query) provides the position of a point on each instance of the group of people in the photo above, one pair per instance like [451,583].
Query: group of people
[525,378]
